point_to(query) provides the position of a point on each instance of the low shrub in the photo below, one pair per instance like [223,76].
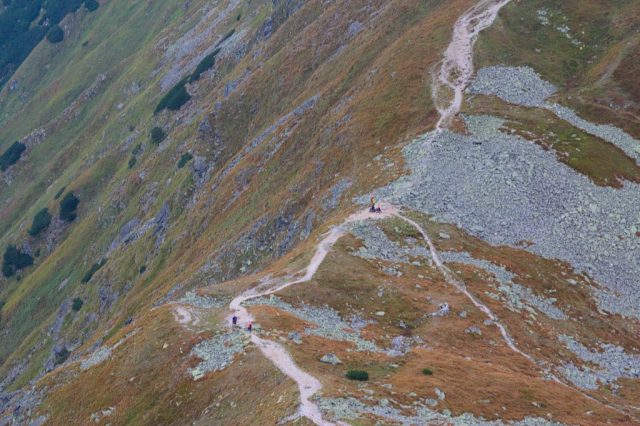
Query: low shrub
[60,192]
[143,269]
[132,162]
[55,34]
[41,221]
[91,272]
[359,375]
[157,135]
[12,155]
[205,64]
[136,149]
[91,5]
[68,207]
[61,356]
[14,260]
[184,159]
[77,304]
[175,98]
[427,371]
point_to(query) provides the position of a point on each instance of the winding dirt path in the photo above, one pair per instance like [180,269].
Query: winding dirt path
[455,72]
[276,353]
[461,286]
[456,68]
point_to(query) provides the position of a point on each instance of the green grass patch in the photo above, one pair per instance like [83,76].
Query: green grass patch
[427,371]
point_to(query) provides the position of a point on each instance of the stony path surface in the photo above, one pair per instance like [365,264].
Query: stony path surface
[456,68]
[276,353]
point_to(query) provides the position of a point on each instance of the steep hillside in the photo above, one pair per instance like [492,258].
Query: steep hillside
[171,164]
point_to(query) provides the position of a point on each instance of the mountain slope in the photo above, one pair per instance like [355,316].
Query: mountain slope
[297,109]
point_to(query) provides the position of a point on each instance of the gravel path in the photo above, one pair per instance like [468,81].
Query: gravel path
[276,353]
[456,68]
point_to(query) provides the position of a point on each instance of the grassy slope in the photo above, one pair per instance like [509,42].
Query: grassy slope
[90,156]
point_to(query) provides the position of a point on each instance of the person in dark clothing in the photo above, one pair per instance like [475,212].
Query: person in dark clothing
[250,326]
[234,320]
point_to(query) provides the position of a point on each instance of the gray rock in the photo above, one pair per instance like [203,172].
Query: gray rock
[330,359]
[474,330]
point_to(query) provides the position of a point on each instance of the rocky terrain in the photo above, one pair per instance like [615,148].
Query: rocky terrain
[169,166]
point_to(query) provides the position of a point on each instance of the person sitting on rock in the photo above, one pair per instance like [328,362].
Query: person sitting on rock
[250,326]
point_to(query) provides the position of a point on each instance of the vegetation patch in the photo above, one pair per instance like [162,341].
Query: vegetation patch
[175,98]
[132,162]
[77,304]
[60,192]
[91,5]
[55,34]
[157,135]
[205,64]
[14,260]
[186,157]
[68,207]
[91,272]
[61,356]
[12,155]
[359,375]
[427,371]
[41,221]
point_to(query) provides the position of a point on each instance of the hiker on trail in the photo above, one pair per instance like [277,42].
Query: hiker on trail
[234,320]
[250,326]
[373,208]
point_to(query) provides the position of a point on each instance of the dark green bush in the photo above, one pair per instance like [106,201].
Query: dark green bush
[14,260]
[41,221]
[61,356]
[136,149]
[60,192]
[91,5]
[11,155]
[55,34]
[175,98]
[132,162]
[68,207]
[184,159]
[91,272]
[427,371]
[205,64]
[239,16]
[143,269]
[77,304]
[360,375]
[157,135]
